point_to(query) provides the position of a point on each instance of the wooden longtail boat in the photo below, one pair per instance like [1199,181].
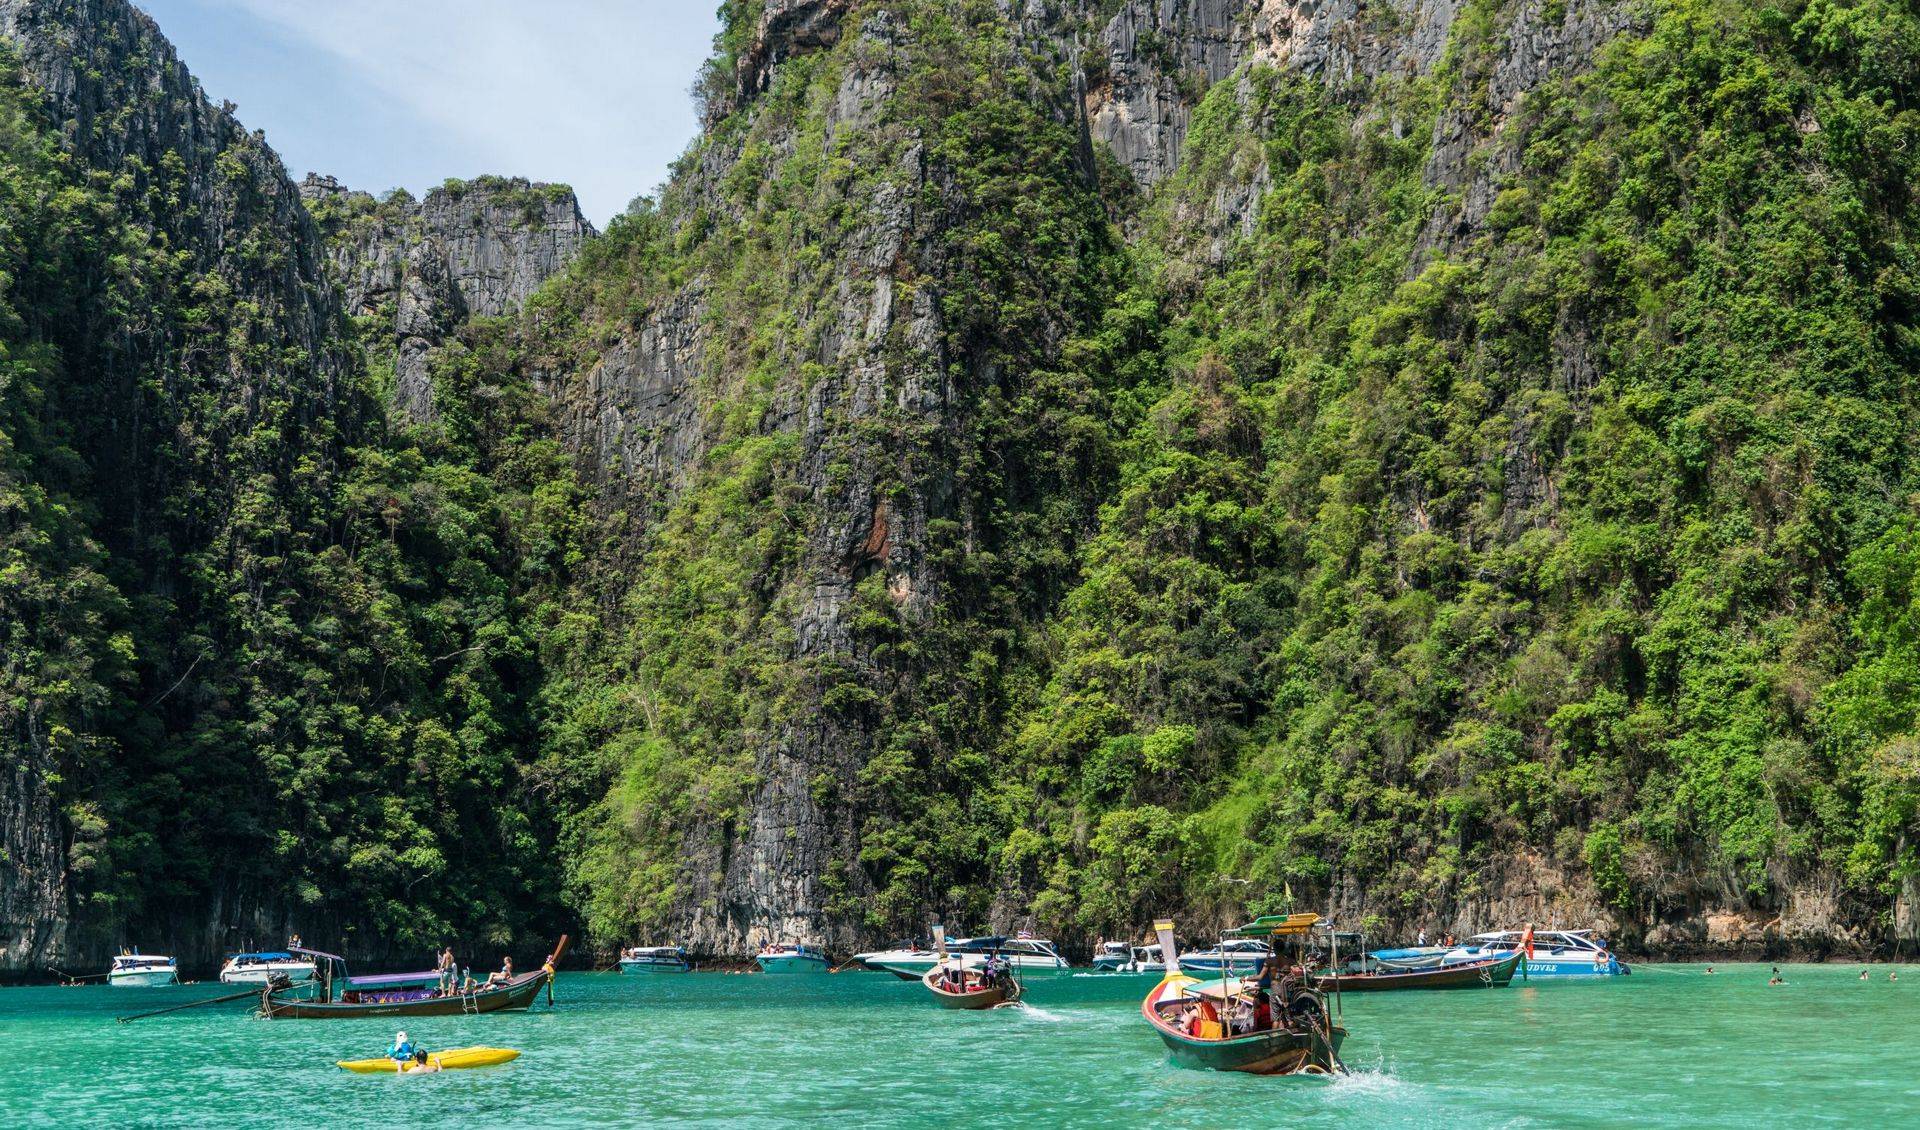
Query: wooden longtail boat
[277,1003]
[1195,1018]
[977,989]
[1492,972]
[1001,990]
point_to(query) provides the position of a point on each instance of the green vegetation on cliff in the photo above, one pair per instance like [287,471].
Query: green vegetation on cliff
[1577,528]
[269,658]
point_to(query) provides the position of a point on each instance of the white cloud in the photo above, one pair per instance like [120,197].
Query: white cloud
[593,92]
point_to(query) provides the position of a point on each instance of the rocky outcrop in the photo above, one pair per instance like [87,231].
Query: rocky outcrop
[475,249]
[1155,59]
[787,28]
[33,881]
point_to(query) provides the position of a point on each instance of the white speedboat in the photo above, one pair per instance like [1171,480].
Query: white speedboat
[1032,957]
[1112,957]
[1235,955]
[791,957]
[655,959]
[1556,953]
[259,968]
[1145,959]
[138,971]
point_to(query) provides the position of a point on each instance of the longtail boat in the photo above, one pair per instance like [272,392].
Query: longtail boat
[364,997]
[1366,976]
[954,984]
[1283,1027]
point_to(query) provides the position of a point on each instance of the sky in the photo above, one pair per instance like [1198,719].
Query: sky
[406,93]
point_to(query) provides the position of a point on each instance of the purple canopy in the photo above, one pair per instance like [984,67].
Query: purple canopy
[394,980]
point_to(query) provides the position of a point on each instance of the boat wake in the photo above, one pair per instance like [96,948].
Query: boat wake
[1368,1081]
[1033,1013]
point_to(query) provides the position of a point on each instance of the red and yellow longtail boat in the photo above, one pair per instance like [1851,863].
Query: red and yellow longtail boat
[1276,1025]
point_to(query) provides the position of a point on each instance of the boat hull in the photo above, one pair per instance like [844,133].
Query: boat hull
[516,997]
[1267,1053]
[791,963]
[295,974]
[143,979]
[1554,967]
[656,967]
[913,969]
[1493,972]
[1277,1051]
[1005,992]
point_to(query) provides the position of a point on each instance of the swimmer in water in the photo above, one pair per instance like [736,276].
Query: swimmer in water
[1863,974]
[1709,968]
[1777,979]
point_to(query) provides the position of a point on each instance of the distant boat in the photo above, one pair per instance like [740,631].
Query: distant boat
[142,971]
[1235,955]
[1032,957]
[1366,975]
[1555,953]
[1412,957]
[789,957]
[403,994]
[1222,1024]
[655,959]
[1122,957]
[1145,959]
[259,968]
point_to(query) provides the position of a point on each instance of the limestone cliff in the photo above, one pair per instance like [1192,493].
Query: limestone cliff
[470,249]
[192,213]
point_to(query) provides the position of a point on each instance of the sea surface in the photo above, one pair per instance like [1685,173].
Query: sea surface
[1668,1046]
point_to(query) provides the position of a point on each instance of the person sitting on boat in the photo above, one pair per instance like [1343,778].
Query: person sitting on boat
[504,976]
[1242,1021]
[402,1050]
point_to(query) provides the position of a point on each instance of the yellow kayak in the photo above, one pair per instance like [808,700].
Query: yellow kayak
[446,1061]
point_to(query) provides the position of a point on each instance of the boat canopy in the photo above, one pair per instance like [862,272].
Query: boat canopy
[394,980]
[136,960]
[1276,925]
[280,956]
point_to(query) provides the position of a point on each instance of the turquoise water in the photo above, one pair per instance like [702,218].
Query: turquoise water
[1668,1046]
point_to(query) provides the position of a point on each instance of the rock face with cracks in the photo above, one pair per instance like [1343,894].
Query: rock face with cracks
[475,249]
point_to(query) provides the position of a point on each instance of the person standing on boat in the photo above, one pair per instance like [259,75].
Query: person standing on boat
[1263,995]
[1423,938]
